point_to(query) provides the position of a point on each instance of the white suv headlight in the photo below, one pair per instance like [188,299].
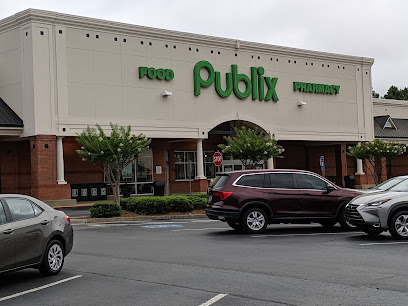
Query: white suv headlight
[378,203]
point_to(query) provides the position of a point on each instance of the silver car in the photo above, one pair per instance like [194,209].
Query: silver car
[388,184]
[381,211]
[32,235]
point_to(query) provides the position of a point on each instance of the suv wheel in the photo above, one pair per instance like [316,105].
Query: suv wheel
[344,223]
[254,220]
[53,259]
[236,226]
[399,225]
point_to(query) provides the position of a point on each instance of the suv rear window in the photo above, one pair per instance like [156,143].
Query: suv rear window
[220,180]
[252,180]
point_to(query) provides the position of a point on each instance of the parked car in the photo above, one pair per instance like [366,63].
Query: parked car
[375,213]
[32,235]
[250,200]
[388,184]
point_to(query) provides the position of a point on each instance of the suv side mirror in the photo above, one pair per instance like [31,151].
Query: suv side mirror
[330,188]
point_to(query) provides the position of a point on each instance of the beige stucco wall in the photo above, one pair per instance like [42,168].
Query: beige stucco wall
[394,108]
[79,80]
[11,69]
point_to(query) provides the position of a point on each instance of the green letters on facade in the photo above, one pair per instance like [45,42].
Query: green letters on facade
[152,73]
[253,85]
[316,88]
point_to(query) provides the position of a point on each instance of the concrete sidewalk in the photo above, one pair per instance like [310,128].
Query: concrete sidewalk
[61,205]
[72,204]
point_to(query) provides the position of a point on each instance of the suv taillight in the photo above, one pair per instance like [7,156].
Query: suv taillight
[222,194]
[67,218]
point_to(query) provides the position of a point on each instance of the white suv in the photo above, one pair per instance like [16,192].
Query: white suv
[381,211]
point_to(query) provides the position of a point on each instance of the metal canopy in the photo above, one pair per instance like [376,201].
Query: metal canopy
[8,118]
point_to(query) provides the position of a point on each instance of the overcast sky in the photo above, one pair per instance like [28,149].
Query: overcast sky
[369,28]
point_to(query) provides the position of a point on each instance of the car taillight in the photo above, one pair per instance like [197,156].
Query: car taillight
[67,218]
[222,194]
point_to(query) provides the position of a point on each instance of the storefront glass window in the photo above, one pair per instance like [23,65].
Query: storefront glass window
[144,171]
[182,163]
[145,188]
[209,170]
[128,173]
[208,157]
[137,177]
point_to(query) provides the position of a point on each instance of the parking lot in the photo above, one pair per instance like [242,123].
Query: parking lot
[204,262]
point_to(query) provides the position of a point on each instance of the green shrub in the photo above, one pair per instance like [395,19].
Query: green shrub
[199,200]
[180,203]
[148,205]
[123,202]
[105,210]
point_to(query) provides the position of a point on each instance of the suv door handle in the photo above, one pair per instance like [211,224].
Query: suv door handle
[8,231]
[272,192]
[44,222]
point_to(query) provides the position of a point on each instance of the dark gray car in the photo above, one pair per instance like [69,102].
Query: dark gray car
[32,235]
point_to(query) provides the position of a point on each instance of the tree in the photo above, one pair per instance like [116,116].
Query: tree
[378,153]
[375,94]
[396,94]
[112,153]
[251,147]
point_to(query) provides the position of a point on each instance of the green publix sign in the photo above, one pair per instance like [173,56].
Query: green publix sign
[254,84]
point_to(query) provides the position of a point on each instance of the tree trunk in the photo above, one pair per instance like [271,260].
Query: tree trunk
[116,188]
[114,180]
[378,171]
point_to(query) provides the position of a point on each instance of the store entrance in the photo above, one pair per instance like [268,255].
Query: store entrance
[225,129]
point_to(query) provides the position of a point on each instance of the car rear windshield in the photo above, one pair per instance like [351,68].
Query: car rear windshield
[220,180]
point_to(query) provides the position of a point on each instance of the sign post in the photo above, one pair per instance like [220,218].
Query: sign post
[322,167]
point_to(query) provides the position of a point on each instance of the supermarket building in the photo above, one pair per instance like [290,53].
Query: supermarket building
[60,73]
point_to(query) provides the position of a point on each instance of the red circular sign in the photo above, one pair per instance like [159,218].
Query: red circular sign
[217,159]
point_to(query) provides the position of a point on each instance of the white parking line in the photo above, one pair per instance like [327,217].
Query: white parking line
[312,234]
[39,288]
[383,243]
[199,229]
[214,299]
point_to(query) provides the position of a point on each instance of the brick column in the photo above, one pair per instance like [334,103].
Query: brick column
[43,153]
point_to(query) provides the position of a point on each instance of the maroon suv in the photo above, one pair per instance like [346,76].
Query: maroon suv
[250,200]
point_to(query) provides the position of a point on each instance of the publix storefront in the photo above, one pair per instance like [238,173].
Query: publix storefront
[60,73]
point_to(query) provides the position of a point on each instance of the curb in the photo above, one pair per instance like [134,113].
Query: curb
[78,221]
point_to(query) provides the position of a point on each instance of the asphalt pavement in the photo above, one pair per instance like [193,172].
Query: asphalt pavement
[204,262]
